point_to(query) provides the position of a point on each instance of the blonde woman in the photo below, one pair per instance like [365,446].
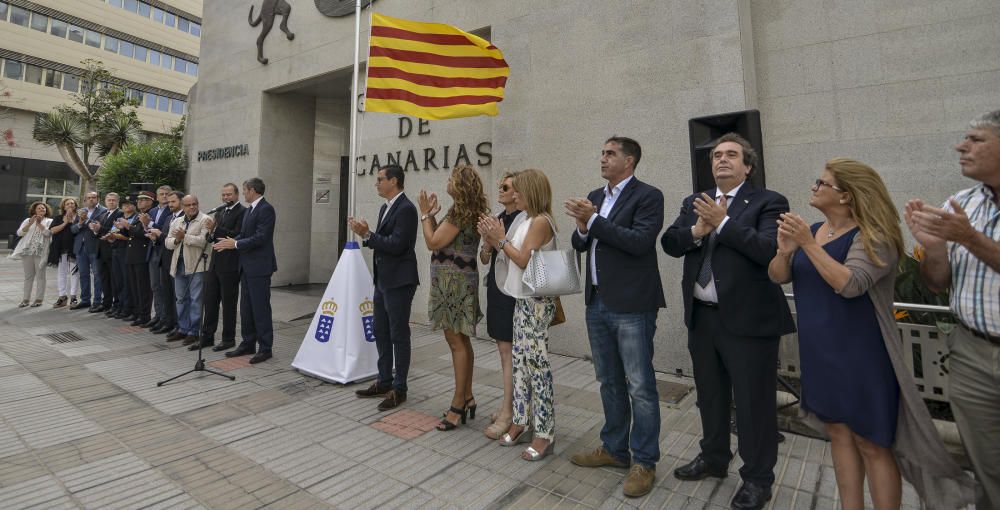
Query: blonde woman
[62,254]
[532,372]
[843,272]
[454,294]
[33,251]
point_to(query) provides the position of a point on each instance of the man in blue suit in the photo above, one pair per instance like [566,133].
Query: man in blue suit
[85,244]
[735,316]
[157,222]
[255,243]
[616,227]
[396,281]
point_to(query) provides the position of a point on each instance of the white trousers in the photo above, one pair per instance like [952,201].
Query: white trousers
[34,272]
[69,282]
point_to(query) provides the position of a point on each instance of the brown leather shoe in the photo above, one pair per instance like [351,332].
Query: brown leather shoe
[392,400]
[597,458]
[639,481]
[190,339]
[373,391]
[175,336]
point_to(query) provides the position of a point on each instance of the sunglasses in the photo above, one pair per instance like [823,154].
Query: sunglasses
[505,188]
[820,183]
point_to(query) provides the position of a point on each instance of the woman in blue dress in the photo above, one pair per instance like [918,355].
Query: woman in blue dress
[855,385]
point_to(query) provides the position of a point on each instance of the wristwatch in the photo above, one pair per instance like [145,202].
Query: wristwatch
[424,217]
[501,244]
[367,236]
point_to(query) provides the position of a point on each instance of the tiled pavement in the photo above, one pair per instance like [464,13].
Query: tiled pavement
[83,425]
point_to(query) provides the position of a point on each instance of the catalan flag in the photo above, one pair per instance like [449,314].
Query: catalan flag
[432,71]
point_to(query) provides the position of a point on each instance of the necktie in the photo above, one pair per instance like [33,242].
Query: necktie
[381,213]
[705,273]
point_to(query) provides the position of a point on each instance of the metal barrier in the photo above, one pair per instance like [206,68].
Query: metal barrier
[924,350]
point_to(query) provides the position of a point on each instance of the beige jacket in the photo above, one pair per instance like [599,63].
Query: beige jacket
[194,245]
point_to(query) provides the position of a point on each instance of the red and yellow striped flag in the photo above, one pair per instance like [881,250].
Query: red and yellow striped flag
[432,71]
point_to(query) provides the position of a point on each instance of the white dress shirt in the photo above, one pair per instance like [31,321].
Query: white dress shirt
[610,198]
[709,293]
[252,206]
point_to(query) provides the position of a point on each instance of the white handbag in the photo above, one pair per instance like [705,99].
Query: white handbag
[553,272]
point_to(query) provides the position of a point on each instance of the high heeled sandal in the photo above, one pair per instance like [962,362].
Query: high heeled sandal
[497,429]
[507,440]
[446,425]
[471,409]
[534,455]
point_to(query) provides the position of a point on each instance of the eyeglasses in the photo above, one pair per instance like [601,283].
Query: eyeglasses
[505,188]
[820,183]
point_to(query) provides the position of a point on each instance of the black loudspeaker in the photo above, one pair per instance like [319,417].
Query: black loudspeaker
[703,133]
[136,187]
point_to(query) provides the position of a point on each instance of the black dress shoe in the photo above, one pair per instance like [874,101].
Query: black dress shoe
[79,306]
[393,399]
[698,469]
[373,391]
[240,351]
[259,357]
[111,312]
[175,336]
[200,345]
[162,328]
[130,318]
[150,324]
[96,309]
[190,339]
[138,322]
[751,496]
[224,346]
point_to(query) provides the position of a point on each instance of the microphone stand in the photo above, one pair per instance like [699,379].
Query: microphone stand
[199,366]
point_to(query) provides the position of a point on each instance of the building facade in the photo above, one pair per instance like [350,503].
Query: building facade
[150,46]
[888,82]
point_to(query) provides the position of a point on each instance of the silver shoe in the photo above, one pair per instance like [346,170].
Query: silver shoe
[533,454]
[507,440]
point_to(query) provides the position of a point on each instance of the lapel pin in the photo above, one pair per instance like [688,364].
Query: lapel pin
[745,201]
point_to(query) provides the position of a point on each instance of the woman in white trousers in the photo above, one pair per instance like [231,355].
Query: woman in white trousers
[33,251]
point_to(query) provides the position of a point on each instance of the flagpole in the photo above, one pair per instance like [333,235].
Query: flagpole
[353,163]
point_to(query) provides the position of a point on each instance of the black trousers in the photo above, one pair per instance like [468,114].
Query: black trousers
[255,312]
[167,290]
[728,367]
[140,290]
[392,334]
[220,288]
[119,278]
[107,280]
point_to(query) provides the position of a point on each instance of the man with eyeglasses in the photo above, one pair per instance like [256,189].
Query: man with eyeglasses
[396,280]
[961,241]
[735,316]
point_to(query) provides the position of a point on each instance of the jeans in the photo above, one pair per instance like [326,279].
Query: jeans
[87,264]
[622,348]
[187,288]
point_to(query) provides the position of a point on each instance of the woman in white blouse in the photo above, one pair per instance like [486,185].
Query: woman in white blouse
[33,251]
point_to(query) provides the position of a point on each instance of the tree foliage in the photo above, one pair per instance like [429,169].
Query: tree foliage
[159,161]
[99,122]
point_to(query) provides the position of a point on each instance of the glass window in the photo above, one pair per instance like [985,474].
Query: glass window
[76,33]
[53,78]
[126,48]
[180,65]
[39,22]
[151,101]
[18,16]
[169,19]
[183,24]
[144,9]
[163,102]
[154,57]
[132,5]
[36,186]
[93,39]
[158,15]
[72,188]
[71,83]
[177,106]
[192,69]
[54,202]
[58,28]
[115,3]
[166,61]
[137,95]
[3,11]
[195,29]
[33,74]
[111,44]
[140,53]
[13,70]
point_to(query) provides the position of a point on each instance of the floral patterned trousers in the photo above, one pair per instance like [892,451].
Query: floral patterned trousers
[532,371]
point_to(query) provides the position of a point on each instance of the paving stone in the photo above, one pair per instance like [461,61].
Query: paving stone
[41,492]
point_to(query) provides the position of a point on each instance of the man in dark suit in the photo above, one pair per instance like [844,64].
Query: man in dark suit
[137,265]
[616,226]
[167,323]
[158,221]
[735,316]
[119,260]
[255,243]
[222,281]
[396,281]
[85,246]
[110,297]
